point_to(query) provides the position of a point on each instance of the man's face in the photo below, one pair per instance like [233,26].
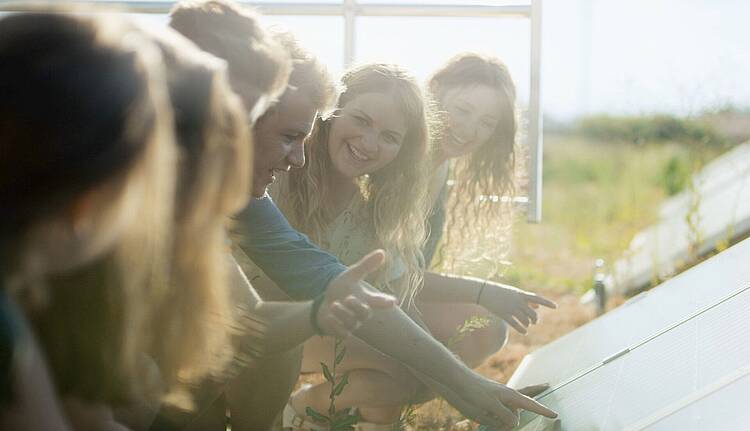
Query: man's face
[279,137]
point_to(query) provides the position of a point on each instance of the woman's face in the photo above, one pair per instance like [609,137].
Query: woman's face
[278,139]
[473,115]
[366,135]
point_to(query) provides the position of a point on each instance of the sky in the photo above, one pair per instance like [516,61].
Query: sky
[599,56]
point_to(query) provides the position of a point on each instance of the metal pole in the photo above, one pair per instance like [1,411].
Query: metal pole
[350,31]
[534,210]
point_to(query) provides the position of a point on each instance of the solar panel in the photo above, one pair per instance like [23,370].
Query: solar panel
[722,195]
[638,319]
[639,386]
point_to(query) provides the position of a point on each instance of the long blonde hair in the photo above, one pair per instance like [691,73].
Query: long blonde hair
[480,199]
[393,199]
[195,319]
[108,102]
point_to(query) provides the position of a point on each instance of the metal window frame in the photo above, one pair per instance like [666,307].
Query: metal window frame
[351,9]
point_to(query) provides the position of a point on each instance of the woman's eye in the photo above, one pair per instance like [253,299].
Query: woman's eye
[391,139]
[290,138]
[488,124]
[362,121]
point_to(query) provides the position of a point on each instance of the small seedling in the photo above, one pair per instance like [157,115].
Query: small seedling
[337,420]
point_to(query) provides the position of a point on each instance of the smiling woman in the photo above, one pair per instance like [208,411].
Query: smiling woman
[477,96]
[365,175]
[365,136]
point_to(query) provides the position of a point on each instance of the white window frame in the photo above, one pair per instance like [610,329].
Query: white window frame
[350,10]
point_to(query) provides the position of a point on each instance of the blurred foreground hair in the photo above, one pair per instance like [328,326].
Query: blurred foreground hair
[84,105]
[195,322]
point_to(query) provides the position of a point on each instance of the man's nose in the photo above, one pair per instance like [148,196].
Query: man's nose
[296,156]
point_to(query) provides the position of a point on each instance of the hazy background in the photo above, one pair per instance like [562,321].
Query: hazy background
[599,56]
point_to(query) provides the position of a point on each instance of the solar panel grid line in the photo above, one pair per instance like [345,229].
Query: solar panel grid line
[690,399]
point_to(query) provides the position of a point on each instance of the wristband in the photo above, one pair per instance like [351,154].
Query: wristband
[317,302]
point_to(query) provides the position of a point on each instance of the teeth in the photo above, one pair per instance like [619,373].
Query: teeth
[357,155]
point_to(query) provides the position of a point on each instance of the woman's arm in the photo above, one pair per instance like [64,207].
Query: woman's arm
[515,306]
[393,333]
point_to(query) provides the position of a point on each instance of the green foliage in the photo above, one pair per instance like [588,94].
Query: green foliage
[470,325]
[337,420]
[407,418]
[656,128]
[675,175]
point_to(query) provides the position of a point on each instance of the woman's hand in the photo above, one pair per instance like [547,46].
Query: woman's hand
[515,306]
[495,405]
[349,301]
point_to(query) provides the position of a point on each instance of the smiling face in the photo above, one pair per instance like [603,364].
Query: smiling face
[278,139]
[473,114]
[366,135]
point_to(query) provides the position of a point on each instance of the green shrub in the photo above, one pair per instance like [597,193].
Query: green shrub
[654,128]
[674,176]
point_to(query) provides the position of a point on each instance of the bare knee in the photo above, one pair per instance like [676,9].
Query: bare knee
[483,343]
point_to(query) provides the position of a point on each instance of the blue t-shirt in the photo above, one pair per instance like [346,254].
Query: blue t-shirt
[301,269]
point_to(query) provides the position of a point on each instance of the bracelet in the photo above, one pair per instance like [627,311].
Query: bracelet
[481,289]
[317,302]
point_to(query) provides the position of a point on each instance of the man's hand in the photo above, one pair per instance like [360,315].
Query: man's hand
[513,305]
[349,301]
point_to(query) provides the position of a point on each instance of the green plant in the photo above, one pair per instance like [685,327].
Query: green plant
[407,418]
[693,219]
[470,325]
[337,420]
[653,128]
[675,176]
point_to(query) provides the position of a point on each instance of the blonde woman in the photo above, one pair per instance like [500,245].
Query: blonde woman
[476,151]
[86,184]
[364,186]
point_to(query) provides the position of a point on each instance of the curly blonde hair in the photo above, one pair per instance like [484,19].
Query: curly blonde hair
[394,199]
[483,186]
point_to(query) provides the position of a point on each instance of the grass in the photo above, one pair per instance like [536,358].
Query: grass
[596,196]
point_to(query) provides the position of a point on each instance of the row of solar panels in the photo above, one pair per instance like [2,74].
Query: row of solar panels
[677,357]
[720,201]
